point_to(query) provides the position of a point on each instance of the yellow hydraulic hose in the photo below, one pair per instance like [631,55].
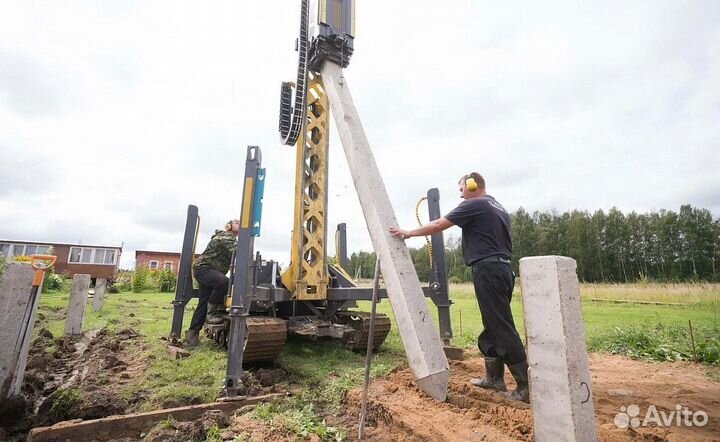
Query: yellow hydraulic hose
[427,238]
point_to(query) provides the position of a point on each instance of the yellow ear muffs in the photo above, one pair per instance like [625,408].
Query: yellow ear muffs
[470,184]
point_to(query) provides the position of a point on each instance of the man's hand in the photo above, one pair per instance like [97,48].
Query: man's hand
[400,233]
[430,228]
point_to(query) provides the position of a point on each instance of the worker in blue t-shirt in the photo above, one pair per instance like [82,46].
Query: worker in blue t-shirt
[487,248]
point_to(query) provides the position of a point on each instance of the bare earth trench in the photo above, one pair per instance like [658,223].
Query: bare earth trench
[400,412]
[397,410]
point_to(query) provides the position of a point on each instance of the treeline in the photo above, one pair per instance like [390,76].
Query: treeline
[608,246]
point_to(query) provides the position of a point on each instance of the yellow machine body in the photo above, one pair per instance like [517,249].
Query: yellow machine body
[307,276]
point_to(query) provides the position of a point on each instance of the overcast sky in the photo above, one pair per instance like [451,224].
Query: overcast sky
[115,115]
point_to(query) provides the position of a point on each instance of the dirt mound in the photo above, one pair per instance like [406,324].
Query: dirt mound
[13,410]
[82,380]
[259,382]
[127,334]
[170,431]
[399,411]
[620,382]
[73,378]
[245,427]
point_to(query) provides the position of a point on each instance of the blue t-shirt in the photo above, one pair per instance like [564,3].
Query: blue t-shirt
[485,228]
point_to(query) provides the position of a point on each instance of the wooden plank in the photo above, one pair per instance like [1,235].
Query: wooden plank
[631,301]
[132,425]
[419,335]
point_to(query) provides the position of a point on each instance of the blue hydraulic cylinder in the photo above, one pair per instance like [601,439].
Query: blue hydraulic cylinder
[258,202]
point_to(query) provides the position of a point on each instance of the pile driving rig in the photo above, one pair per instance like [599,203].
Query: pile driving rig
[310,298]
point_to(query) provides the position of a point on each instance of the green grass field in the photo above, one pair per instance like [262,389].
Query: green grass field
[321,372]
[602,319]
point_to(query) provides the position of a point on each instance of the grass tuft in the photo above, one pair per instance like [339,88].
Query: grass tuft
[65,401]
[659,342]
[295,416]
[214,434]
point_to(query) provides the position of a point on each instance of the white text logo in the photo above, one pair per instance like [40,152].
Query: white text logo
[630,416]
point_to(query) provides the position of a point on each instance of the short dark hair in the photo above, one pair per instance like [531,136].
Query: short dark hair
[476,176]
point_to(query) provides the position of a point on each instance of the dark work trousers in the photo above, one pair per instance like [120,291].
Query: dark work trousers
[213,288]
[494,282]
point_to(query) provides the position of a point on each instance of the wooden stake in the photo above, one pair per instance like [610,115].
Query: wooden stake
[368,356]
[692,341]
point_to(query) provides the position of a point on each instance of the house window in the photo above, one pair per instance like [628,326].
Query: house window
[110,256]
[31,249]
[104,256]
[22,249]
[168,265]
[18,250]
[153,265]
[84,255]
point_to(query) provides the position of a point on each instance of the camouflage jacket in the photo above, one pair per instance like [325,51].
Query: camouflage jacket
[218,253]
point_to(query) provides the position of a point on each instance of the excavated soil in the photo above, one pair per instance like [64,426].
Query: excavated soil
[99,362]
[94,365]
[399,411]
[79,378]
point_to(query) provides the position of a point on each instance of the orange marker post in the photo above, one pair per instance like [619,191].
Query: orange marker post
[40,264]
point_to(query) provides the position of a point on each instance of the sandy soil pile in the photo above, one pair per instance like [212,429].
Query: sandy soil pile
[399,411]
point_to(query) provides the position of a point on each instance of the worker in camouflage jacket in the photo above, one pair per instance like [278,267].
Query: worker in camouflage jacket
[210,271]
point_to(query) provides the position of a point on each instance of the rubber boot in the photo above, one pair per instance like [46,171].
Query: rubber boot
[192,338]
[215,314]
[494,375]
[522,391]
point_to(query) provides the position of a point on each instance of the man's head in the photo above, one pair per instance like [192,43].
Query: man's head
[233,226]
[471,185]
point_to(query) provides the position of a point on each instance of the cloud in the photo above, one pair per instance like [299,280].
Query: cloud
[116,117]
[29,87]
[24,172]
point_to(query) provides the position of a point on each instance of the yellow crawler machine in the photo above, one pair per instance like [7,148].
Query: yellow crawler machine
[309,276]
[310,298]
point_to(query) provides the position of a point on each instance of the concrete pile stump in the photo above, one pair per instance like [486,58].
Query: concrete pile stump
[15,288]
[76,305]
[99,296]
[560,388]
